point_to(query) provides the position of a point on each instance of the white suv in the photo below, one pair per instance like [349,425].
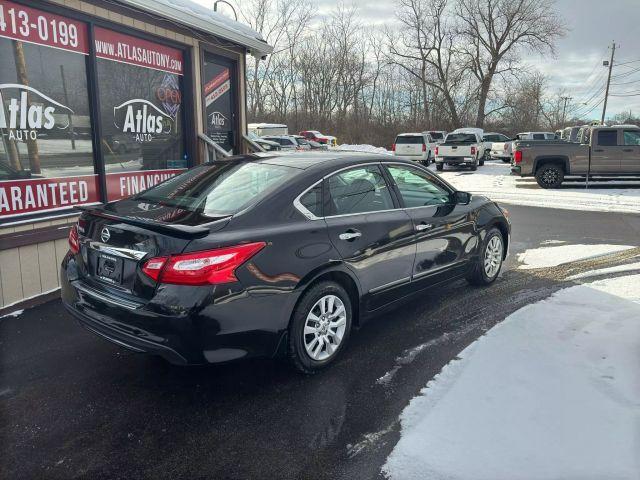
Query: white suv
[415,146]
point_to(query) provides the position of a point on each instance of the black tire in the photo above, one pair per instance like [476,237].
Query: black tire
[474,167]
[481,163]
[550,175]
[297,352]
[439,167]
[479,275]
[506,160]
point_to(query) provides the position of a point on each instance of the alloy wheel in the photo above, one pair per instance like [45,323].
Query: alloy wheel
[324,327]
[550,177]
[493,256]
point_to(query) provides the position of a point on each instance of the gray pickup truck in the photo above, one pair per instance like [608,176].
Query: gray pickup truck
[603,152]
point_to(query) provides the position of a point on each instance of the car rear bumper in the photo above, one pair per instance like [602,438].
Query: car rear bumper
[184,325]
[456,160]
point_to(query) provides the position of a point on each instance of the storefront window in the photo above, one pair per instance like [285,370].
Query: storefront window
[220,115]
[44,113]
[140,85]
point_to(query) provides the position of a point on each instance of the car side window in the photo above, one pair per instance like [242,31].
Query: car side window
[312,200]
[416,188]
[538,136]
[632,137]
[358,190]
[607,138]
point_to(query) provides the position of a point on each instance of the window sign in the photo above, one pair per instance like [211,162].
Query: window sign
[45,128]
[140,85]
[219,103]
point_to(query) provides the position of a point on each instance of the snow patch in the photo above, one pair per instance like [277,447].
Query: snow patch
[368,440]
[551,392]
[494,180]
[362,148]
[13,314]
[559,255]
[629,267]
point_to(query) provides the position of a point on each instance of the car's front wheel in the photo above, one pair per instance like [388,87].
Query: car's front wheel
[490,259]
[320,327]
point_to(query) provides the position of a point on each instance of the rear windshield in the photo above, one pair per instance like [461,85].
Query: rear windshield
[410,139]
[436,135]
[461,138]
[219,190]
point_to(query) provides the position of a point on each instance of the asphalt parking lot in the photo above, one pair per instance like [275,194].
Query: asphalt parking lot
[75,406]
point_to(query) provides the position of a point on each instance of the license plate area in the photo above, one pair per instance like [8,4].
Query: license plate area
[109,269]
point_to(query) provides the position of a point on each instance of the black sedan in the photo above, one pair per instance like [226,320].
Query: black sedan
[281,255]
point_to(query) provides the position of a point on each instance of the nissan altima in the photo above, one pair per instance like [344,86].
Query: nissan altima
[274,256]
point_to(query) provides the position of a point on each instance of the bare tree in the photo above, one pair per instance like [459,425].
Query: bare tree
[497,31]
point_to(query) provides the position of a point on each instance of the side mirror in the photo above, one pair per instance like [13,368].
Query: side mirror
[462,198]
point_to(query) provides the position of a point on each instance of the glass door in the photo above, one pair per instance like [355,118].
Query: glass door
[220,105]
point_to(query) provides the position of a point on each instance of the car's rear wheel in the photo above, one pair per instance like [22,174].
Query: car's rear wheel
[490,258]
[506,160]
[550,176]
[474,167]
[439,166]
[320,327]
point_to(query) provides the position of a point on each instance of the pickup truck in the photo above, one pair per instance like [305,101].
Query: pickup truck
[603,152]
[503,150]
[461,148]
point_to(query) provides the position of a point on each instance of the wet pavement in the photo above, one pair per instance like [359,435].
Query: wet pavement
[75,406]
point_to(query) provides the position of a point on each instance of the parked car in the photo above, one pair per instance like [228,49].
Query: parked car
[504,151]
[489,139]
[604,152]
[288,142]
[261,129]
[257,257]
[267,145]
[570,134]
[313,145]
[419,147]
[462,148]
[437,135]
[316,136]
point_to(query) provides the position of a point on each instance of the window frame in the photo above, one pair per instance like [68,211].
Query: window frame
[188,119]
[437,181]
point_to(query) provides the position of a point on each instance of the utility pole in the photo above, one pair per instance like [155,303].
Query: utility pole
[564,108]
[606,95]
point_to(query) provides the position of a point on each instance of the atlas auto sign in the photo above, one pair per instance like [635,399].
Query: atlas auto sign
[23,119]
[142,120]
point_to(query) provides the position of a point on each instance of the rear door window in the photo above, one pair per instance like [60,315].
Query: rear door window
[538,136]
[312,200]
[409,139]
[607,138]
[632,137]
[358,190]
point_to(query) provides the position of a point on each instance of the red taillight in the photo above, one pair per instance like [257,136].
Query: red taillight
[201,268]
[473,150]
[74,242]
[505,147]
[424,147]
[436,151]
[393,147]
[517,156]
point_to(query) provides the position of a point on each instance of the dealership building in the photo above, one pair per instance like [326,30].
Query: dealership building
[100,99]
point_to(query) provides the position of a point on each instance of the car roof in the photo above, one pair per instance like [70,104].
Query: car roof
[411,134]
[310,160]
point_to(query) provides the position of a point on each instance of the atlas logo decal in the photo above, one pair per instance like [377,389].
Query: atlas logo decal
[218,120]
[142,119]
[30,112]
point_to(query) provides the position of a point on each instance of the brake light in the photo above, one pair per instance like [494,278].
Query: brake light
[437,151]
[74,242]
[393,147]
[201,268]
[517,156]
[505,147]
[473,150]
[424,147]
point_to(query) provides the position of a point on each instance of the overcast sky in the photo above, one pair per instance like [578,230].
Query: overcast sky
[577,67]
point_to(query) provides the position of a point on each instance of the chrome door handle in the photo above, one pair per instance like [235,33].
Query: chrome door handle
[350,235]
[423,226]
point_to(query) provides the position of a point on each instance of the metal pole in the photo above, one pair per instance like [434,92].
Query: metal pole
[564,109]
[606,95]
[66,99]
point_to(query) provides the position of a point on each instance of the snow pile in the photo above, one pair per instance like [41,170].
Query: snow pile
[552,392]
[629,267]
[495,181]
[362,148]
[553,256]
[13,314]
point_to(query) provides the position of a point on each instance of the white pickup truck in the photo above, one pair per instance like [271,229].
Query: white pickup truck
[463,148]
[503,150]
